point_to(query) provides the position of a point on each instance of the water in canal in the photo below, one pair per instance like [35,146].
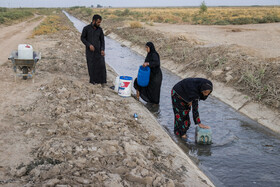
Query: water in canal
[243,152]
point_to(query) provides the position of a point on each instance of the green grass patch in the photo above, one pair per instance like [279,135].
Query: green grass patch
[8,16]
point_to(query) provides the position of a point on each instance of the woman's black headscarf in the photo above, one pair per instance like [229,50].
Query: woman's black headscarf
[152,50]
[205,85]
[190,89]
[151,46]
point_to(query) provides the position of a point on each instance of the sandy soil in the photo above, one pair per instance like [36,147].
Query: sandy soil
[262,40]
[63,131]
[13,35]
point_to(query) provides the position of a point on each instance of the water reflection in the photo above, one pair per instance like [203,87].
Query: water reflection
[200,150]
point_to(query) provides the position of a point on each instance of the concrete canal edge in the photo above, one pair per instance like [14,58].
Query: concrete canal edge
[240,102]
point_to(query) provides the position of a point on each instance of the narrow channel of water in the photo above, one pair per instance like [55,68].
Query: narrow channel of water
[243,152]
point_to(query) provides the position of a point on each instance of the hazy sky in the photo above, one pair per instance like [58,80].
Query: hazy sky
[132,3]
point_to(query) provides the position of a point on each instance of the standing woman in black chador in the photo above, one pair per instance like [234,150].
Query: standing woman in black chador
[151,93]
[185,95]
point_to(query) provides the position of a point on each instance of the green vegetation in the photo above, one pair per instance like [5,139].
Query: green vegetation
[12,15]
[8,16]
[81,11]
[203,7]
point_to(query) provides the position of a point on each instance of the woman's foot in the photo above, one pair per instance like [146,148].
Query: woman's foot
[184,136]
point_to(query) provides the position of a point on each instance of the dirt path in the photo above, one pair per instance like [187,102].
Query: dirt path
[262,40]
[15,99]
[13,35]
[10,37]
[61,130]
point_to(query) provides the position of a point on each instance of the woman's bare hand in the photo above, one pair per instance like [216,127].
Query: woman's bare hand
[203,126]
[145,64]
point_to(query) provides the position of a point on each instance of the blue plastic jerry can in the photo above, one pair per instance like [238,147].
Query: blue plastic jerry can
[203,136]
[143,76]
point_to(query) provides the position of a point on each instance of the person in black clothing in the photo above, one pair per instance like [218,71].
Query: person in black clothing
[151,93]
[93,38]
[186,94]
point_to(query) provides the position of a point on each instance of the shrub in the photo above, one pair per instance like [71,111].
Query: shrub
[126,12]
[76,7]
[269,19]
[157,18]
[2,9]
[14,14]
[201,19]
[87,12]
[2,20]
[203,7]
[242,21]
[136,24]
[221,22]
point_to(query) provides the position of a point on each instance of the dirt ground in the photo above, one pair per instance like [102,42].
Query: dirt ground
[262,40]
[11,35]
[63,131]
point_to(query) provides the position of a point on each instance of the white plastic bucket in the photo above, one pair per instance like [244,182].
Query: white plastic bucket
[117,83]
[125,83]
[25,51]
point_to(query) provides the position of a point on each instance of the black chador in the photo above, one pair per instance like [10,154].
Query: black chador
[151,93]
[93,35]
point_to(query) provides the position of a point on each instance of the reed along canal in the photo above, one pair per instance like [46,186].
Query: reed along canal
[243,152]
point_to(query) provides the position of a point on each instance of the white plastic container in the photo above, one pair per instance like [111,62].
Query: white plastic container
[25,52]
[125,84]
[117,84]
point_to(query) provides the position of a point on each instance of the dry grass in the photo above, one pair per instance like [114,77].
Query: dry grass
[135,24]
[50,25]
[214,15]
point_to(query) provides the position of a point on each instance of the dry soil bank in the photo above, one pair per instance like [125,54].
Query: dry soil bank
[63,131]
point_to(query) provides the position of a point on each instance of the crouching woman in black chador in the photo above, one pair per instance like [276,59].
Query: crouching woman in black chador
[186,94]
[151,93]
